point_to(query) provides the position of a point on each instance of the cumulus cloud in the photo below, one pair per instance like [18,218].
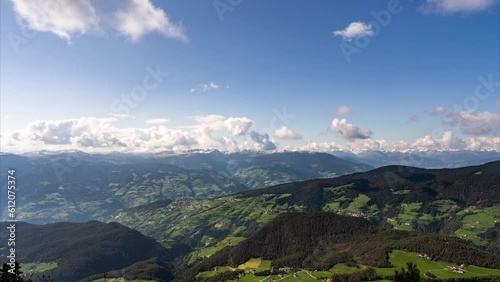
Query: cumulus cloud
[263,141]
[447,7]
[63,17]
[342,110]
[142,17]
[67,18]
[236,126]
[104,134]
[348,130]
[157,121]
[285,133]
[470,122]
[355,30]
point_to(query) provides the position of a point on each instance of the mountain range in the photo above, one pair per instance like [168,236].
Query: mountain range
[75,186]
[216,216]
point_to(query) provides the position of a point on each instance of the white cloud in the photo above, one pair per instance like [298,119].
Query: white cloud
[67,18]
[285,133]
[141,17]
[63,17]
[157,121]
[342,110]
[209,86]
[471,122]
[447,7]
[348,130]
[104,134]
[238,126]
[205,87]
[235,126]
[262,141]
[448,141]
[355,30]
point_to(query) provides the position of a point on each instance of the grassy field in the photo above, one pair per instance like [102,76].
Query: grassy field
[226,216]
[476,221]
[38,267]
[398,258]
[438,268]
[210,250]
[257,264]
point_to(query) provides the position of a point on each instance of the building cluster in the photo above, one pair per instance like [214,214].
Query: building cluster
[458,269]
[424,256]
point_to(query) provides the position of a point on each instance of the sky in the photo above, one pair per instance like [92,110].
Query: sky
[231,75]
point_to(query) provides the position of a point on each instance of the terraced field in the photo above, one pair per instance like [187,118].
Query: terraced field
[210,250]
[209,220]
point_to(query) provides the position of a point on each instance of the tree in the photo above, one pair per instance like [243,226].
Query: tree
[11,275]
[412,274]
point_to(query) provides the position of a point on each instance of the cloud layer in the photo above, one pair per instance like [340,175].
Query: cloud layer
[210,132]
[447,141]
[285,133]
[103,134]
[67,18]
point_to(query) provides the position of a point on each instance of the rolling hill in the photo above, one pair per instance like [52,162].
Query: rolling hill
[79,250]
[462,202]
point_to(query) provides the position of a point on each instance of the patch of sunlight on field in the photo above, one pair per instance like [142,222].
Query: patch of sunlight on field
[38,266]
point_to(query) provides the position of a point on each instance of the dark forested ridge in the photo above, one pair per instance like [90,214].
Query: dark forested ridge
[321,240]
[474,185]
[84,249]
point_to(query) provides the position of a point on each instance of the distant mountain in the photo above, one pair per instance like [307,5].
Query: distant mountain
[422,159]
[85,249]
[76,186]
[50,190]
[322,240]
[463,202]
[259,170]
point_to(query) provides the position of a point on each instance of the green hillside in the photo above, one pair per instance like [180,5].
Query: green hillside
[321,245]
[458,202]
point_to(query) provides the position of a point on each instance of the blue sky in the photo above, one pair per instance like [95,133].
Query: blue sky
[416,81]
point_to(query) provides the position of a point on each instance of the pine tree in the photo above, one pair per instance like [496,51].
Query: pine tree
[7,276]
[410,275]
